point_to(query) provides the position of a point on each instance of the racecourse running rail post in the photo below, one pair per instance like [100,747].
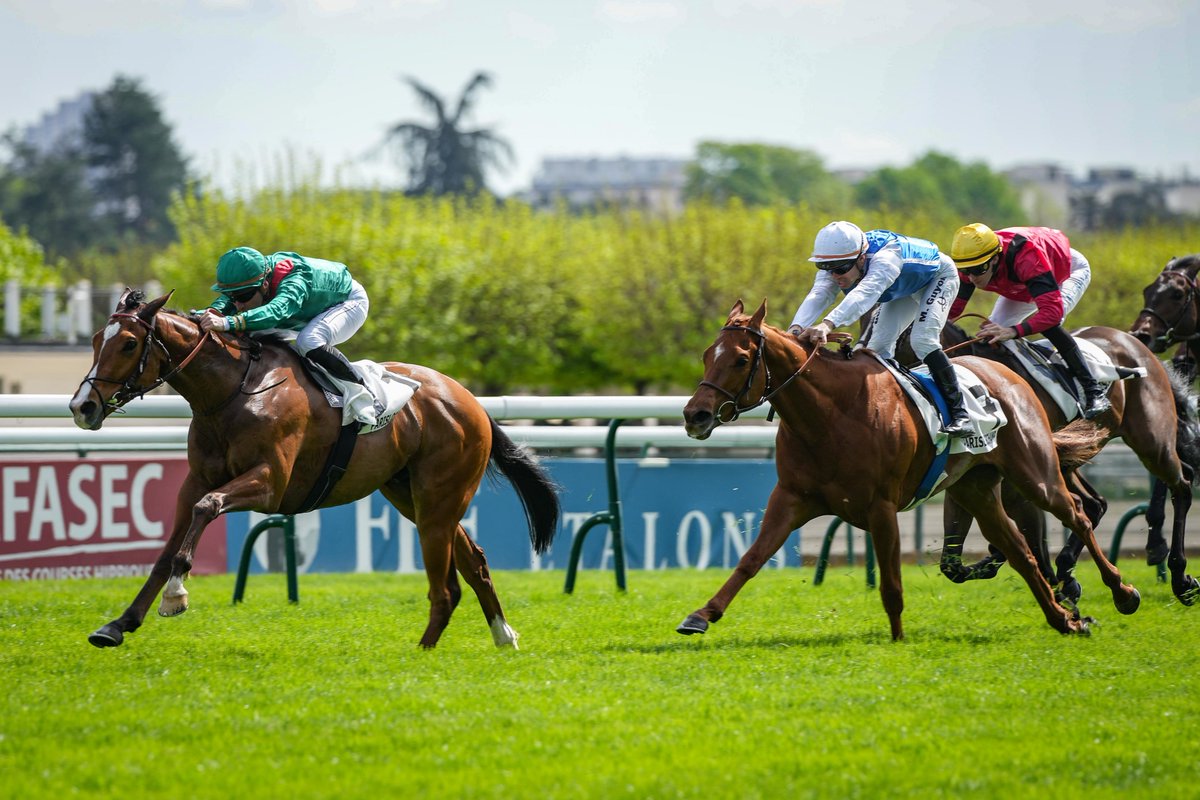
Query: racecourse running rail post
[611,517]
[287,523]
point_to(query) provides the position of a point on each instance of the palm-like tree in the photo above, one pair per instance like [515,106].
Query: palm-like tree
[443,158]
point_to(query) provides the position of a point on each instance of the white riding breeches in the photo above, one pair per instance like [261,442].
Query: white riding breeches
[1008,313]
[927,311]
[335,324]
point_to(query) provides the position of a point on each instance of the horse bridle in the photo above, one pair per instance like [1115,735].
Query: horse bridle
[768,392]
[128,389]
[1189,303]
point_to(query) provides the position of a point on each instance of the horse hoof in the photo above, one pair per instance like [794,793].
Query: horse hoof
[107,636]
[1157,553]
[693,624]
[1190,593]
[1131,604]
[1072,590]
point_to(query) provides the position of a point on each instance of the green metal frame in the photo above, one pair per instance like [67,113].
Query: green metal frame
[1114,549]
[288,524]
[611,517]
[823,559]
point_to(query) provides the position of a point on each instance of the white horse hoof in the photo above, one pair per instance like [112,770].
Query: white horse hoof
[174,599]
[503,635]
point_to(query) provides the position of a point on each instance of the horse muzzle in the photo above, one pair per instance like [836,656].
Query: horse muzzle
[698,423]
[87,413]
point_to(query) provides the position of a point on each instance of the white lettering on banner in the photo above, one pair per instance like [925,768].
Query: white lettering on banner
[649,534]
[137,497]
[47,507]
[82,531]
[13,503]
[407,545]
[111,500]
[572,521]
[681,540]
[364,523]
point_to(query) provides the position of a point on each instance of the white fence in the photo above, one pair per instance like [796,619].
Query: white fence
[66,314]
[117,434]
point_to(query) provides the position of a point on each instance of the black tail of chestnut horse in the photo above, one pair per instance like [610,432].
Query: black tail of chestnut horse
[538,493]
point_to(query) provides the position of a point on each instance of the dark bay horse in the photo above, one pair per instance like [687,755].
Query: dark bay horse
[1151,415]
[851,444]
[1170,316]
[260,436]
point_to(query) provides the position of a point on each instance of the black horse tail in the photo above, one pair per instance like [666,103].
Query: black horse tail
[1187,434]
[1078,443]
[538,493]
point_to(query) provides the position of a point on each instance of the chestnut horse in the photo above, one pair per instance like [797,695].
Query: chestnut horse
[261,432]
[1151,415]
[852,444]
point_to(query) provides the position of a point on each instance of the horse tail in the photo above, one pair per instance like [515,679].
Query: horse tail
[1187,434]
[1078,443]
[538,493]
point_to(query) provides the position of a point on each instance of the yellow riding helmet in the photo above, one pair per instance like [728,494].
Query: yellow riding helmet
[974,244]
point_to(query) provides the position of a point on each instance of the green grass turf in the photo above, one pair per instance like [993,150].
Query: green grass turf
[798,692]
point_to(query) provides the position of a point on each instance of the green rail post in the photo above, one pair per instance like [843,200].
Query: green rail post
[611,517]
[823,559]
[288,524]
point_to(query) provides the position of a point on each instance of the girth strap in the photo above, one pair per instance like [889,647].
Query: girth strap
[335,466]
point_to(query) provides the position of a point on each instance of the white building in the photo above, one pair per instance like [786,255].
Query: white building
[653,184]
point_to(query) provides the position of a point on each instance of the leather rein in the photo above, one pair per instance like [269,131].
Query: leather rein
[759,360]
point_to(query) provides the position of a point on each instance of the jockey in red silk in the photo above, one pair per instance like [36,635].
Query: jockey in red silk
[1040,279]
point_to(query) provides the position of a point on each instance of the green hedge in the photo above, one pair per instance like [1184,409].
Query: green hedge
[507,299]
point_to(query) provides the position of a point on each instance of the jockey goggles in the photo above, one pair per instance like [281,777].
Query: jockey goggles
[244,295]
[838,267]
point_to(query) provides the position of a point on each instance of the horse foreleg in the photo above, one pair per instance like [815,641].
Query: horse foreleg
[1183,586]
[785,512]
[979,492]
[1156,516]
[885,535]
[113,633]
[957,523]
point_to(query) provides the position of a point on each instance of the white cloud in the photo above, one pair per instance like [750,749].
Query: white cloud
[531,29]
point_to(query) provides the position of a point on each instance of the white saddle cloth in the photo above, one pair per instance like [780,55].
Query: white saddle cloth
[1103,369]
[987,418]
[375,403]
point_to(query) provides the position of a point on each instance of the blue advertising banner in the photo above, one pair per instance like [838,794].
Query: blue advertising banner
[690,513]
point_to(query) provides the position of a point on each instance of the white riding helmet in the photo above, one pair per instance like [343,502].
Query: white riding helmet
[839,241]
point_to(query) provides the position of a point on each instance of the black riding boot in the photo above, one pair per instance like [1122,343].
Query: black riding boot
[943,375]
[1095,394]
[336,364]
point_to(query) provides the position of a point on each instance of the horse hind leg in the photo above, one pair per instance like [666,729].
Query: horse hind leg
[1157,548]
[978,491]
[472,564]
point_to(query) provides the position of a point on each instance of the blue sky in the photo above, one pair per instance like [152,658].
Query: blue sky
[243,82]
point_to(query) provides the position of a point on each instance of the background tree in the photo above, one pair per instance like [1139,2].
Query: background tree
[136,164]
[761,174]
[446,158]
[46,194]
[938,184]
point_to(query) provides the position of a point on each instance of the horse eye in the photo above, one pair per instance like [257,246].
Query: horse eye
[129,346]
[742,361]
[1176,294]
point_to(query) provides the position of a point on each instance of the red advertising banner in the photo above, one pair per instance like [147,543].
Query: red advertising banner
[70,517]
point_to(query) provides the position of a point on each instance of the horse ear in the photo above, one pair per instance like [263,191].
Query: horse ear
[124,296]
[148,311]
[757,320]
[737,309]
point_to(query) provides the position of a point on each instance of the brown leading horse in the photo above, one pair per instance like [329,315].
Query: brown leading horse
[260,435]
[1151,415]
[851,444]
